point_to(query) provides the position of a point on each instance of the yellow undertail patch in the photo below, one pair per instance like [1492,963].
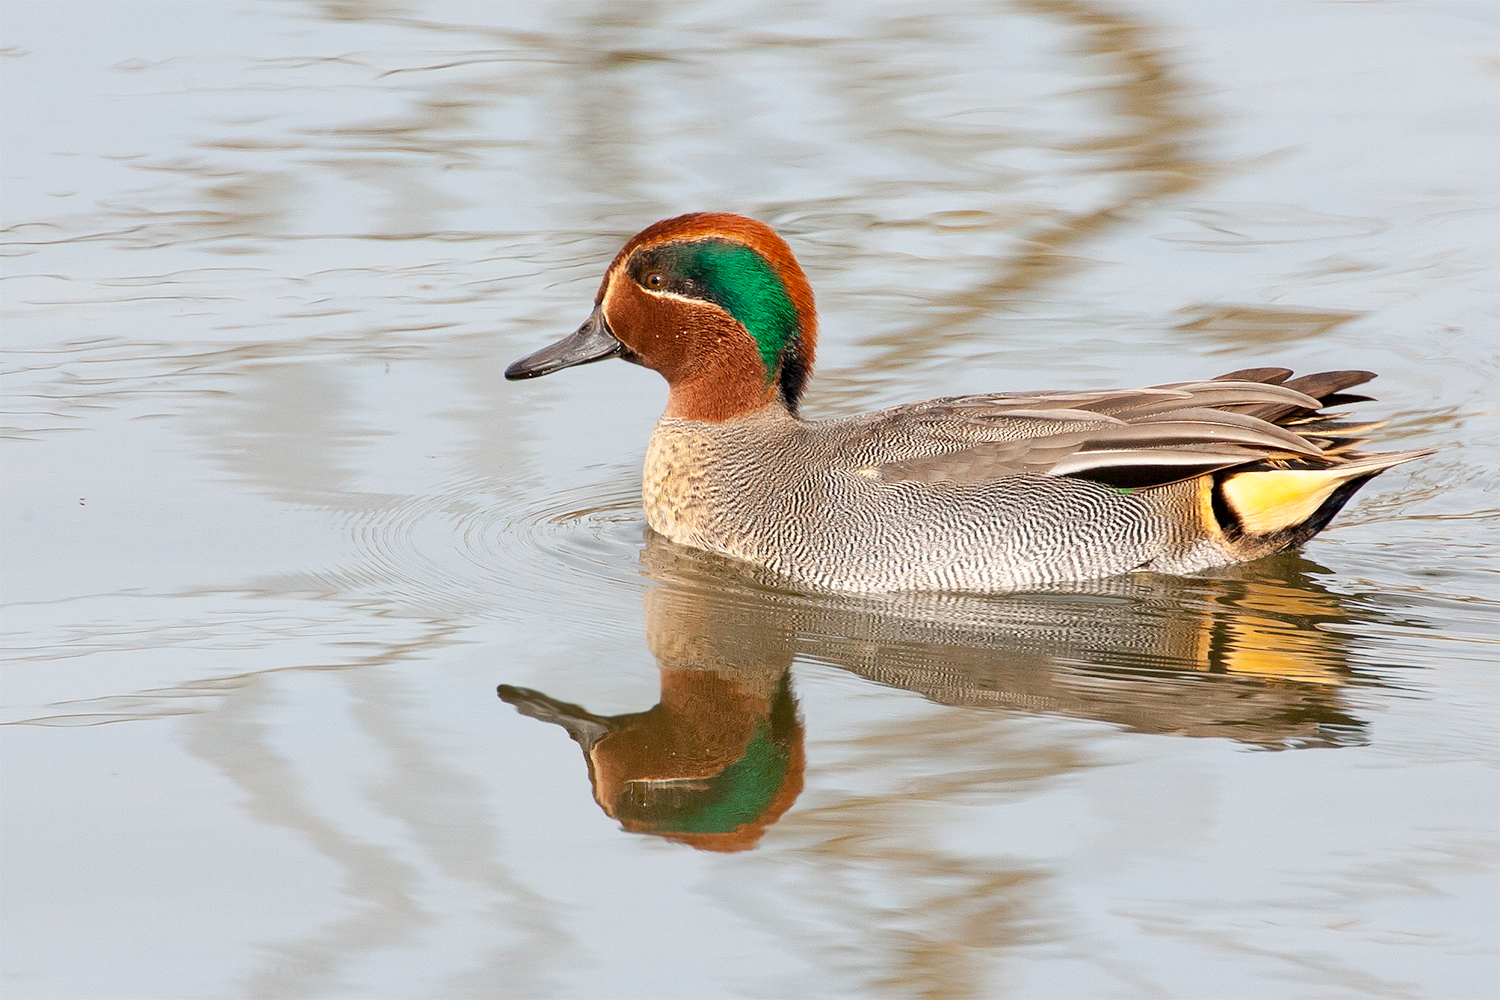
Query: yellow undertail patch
[1275,500]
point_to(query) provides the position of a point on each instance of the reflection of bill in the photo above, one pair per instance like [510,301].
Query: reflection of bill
[1247,656]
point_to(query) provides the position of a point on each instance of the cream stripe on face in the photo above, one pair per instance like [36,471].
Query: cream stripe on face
[663,295]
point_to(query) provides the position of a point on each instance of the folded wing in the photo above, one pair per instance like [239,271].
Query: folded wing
[1127,438]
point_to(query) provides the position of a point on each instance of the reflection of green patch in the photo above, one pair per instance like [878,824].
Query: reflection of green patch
[735,796]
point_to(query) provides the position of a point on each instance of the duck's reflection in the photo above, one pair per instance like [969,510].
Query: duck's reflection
[1246,656]
[720,756]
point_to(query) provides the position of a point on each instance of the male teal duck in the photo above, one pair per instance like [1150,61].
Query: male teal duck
[963,493]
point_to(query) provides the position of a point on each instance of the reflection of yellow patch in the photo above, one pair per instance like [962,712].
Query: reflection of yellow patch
[1272,634]
[1271,501]
[1264,647]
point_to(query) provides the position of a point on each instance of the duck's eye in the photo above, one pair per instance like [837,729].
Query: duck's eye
[655,280]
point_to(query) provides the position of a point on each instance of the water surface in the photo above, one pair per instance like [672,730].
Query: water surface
[276,530]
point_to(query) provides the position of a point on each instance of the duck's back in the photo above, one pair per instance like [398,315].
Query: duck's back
[985,493]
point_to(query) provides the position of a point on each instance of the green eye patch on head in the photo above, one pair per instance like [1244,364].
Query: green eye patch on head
[731,276]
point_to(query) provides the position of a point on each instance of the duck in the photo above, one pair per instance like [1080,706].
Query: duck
[981,493]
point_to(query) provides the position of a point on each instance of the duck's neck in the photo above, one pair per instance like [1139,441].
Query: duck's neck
[718,399]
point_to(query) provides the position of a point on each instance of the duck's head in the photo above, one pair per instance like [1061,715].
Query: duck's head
[716,303]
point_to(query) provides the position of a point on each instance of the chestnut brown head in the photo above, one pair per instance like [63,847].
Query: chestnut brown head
[716,303]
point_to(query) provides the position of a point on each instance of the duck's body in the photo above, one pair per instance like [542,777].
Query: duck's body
[975,493]
[810,500]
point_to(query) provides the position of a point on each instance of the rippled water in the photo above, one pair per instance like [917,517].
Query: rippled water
[275,529]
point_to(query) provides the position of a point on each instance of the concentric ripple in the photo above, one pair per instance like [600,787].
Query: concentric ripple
[480,549]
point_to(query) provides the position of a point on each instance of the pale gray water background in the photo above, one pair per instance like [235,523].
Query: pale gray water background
[274,528]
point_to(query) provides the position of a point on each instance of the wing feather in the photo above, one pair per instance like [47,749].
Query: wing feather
[1125,437]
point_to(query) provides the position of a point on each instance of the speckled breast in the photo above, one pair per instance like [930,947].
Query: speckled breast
[675,487]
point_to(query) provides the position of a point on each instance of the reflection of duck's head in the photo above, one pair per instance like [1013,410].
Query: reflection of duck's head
[720,757]
[712,765]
